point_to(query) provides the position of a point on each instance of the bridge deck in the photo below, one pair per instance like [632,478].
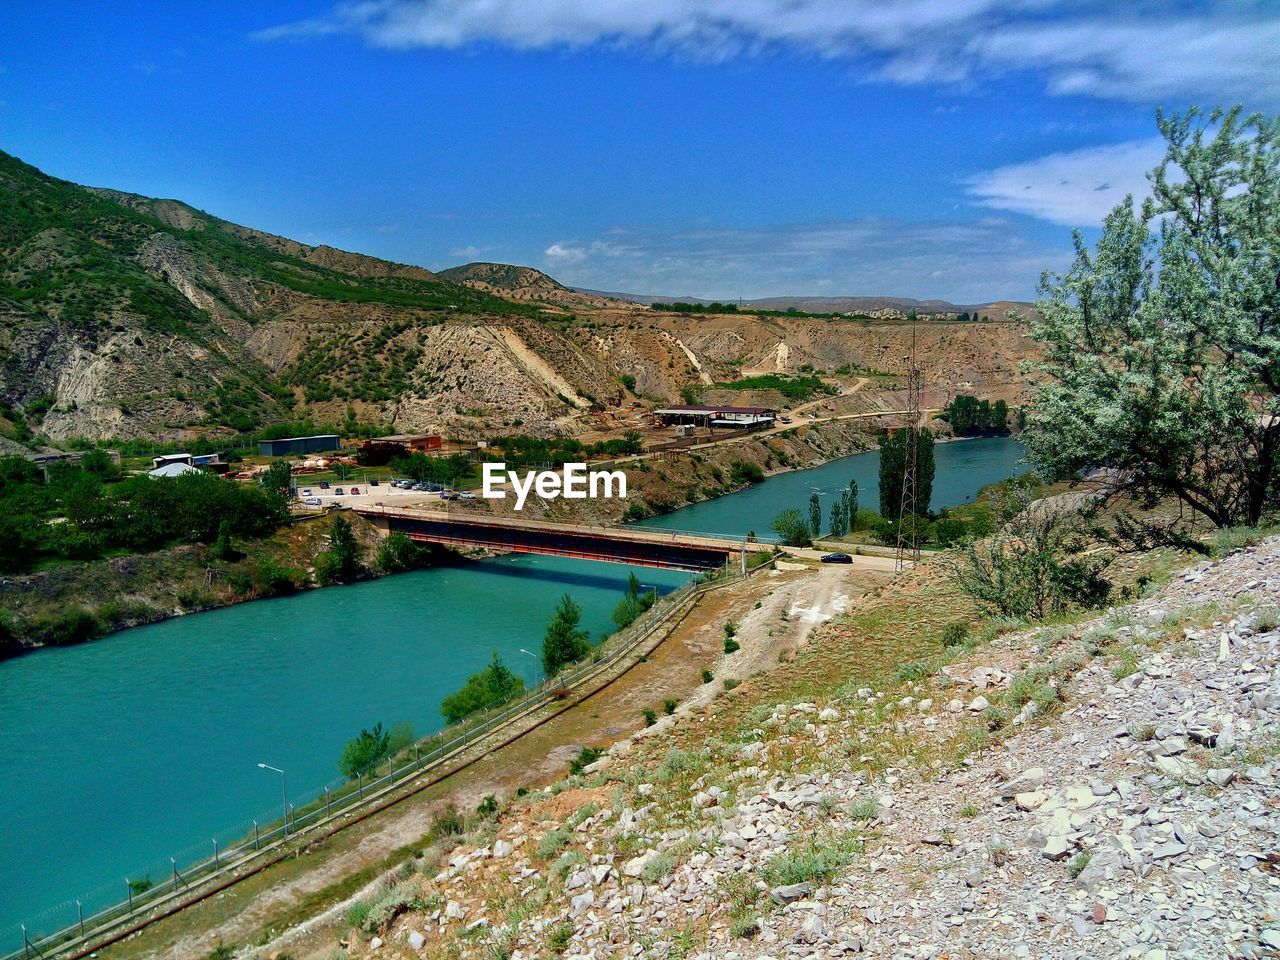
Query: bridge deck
[618,544]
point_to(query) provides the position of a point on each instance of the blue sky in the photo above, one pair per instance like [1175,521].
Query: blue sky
[718,148]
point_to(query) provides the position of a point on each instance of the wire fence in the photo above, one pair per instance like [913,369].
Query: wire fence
[168,880]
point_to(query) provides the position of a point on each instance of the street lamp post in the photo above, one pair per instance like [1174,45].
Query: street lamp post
[537,670]
[284,794]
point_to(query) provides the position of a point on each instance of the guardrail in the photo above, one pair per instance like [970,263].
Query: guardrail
[239,847]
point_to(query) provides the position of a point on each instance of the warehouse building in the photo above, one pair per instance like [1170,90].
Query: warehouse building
[298,445]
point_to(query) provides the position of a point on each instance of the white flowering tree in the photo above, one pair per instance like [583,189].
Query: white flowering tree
[1161,346]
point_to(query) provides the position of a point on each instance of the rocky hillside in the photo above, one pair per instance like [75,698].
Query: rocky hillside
[1102,789]
[124,316]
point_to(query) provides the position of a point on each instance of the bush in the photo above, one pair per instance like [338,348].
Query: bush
[668,706]
[731,645]
[73,625]
[271,578]
[586,756]
[707,676]
[397,553]
[792,528]
[363,754]
[743,473]
[1036,563]
[731,684]
[650,716]
[813,864]
[658,867]
[564,642]
[954,634]
[400,899]
[491,687]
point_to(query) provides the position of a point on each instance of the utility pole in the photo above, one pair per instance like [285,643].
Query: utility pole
[909,539]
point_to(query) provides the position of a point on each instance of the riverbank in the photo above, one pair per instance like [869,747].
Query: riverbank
[79,602]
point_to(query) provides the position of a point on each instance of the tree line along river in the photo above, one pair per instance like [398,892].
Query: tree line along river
[119,754]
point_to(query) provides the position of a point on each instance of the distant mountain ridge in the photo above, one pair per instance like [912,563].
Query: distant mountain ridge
[829,304]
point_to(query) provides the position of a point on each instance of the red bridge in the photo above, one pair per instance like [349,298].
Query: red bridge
[673,549]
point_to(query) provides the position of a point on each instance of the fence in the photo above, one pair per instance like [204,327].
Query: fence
[237,847]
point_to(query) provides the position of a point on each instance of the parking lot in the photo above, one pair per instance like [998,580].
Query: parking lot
[357,491]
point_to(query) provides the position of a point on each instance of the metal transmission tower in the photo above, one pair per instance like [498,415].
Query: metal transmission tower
[908,538]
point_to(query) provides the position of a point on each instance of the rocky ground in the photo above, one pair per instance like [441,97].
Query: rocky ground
[1106,788]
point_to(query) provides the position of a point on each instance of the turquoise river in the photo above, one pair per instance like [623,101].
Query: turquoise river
[119,754]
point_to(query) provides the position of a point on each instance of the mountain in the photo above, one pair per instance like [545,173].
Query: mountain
[526,284]
[995,309]
[128,317]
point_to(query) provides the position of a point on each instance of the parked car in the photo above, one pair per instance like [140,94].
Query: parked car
[837,558]
[312,501]
[448,495]
[418,486]
[355,491]
[307,492]
[373,483]
[468,495]
[324,484]
[339,492]
[784,419]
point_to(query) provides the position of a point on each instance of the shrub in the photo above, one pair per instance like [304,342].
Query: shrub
[491,687]
[668,706]
[586,756]
[707,676]
[357,913]
[792,528]
[397,553]
[553,842]
[731,645]
[955,633]
[741,473]
[658,867]
[363,754]
[811,864]
[558,937]
[730,683]
[650,716]
[401,898]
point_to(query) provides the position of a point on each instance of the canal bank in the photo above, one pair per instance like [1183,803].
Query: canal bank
[287,709]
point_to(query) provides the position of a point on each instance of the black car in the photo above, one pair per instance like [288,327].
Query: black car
[837,558]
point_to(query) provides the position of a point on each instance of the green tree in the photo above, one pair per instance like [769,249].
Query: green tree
[892,466]
[340,563]
[851,505]
[792,528]
[492,686]
[341,471]
[1161,352]
[397,553]
[815,515]
[363,754]
[999,422]
[633,603]
[838,526]
[564,642]
[278,480]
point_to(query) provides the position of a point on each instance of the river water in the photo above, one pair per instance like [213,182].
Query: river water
[119,754]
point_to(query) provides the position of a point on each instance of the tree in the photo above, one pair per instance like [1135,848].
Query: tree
[397,553]
[892,465]
[792,528]
[815,515]
[564,642]
[633,603]
[1037,562]
[363,754]
[1161,352]
[492,686]
[278,480]
[999,422]
[850,498]
[341,470]
[341,562]
[838,525]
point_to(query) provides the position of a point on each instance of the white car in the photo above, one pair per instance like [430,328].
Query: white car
[468,496]
[312,501]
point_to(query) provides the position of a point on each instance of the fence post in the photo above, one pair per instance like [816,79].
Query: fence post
[175,872]
[326,802]
[216,863]
[129,887]
[255,834]
[80,913]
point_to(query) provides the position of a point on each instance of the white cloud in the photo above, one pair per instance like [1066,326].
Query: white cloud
[1143,50]
[560,254]
[971,261]
[1076,189]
